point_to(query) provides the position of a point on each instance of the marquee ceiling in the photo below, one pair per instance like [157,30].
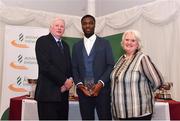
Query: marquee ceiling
[75,7]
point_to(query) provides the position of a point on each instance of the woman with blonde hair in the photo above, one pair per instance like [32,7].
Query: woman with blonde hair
[134,80]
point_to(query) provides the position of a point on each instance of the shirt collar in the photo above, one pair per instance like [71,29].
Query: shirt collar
[92,38]
[57,39]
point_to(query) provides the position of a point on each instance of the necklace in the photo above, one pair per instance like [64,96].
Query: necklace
[122,66]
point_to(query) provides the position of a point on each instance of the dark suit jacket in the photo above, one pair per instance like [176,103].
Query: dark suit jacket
[102,65]
[54,68]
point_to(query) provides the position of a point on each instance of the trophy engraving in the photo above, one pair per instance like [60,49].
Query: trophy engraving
[89,84]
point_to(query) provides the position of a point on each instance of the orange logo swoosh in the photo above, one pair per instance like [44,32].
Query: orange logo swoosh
[12,87]
[13,42]
[13,65]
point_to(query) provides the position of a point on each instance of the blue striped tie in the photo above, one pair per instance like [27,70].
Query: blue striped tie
[60,45]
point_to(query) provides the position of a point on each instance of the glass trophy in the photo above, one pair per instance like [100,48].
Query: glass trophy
[89,84]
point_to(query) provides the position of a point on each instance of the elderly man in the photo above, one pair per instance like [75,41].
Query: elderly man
[55,74]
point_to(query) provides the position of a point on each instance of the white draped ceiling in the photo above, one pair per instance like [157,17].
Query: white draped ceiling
[159,23]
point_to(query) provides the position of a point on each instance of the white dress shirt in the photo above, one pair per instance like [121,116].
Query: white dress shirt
[89,42]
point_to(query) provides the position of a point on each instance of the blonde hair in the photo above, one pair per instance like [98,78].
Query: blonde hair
[137,36]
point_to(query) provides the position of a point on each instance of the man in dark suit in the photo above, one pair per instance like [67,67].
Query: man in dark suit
[93,61]
[55,74]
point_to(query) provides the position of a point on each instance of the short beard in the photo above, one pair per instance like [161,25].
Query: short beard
[88,35]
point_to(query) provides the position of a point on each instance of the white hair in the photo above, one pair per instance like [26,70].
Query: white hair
[137,36]
[56,19]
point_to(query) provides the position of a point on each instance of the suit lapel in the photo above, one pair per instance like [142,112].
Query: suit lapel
[95,48]
[81,51]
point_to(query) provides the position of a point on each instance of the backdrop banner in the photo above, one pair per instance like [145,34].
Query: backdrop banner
[19,61]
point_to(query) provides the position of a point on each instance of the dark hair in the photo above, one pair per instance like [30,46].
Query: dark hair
[88,16]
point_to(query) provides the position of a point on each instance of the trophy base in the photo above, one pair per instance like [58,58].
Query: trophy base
[164,96]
